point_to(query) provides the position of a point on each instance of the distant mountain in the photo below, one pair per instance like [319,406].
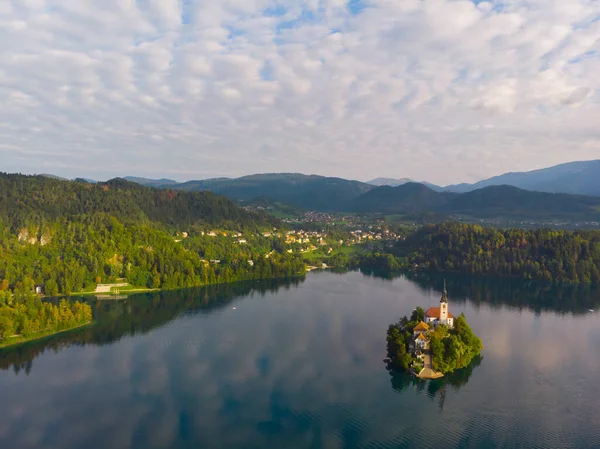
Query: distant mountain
[311,192]
[392,182]
[407,198]
[51,176]
[483,199]
[581,178]
[150,182]
[489,202]
[513,202]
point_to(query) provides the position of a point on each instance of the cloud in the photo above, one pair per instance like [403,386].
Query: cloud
[441,90]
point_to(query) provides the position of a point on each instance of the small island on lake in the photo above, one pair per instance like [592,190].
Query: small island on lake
[432,343]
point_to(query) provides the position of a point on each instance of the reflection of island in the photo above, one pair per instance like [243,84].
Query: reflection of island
[139,314]
[436,388]
[529,295]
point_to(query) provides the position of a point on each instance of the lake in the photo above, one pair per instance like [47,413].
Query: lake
[300,364]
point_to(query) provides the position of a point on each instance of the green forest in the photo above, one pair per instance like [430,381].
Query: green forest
[68,236]
[543,254]
[452,349]
[398,339]
[23,315]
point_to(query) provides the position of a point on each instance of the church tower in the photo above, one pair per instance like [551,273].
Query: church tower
[444,306]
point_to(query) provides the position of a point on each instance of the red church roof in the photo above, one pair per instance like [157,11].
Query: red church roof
[434,312]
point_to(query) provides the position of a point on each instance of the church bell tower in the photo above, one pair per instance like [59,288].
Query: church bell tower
[444,306]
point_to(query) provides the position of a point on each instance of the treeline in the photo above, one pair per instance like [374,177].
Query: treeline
[550,255]
[24,315]
[542,254]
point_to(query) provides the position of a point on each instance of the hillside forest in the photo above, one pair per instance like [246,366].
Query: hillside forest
[70,236]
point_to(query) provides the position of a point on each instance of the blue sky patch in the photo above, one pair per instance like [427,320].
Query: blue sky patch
[356,6]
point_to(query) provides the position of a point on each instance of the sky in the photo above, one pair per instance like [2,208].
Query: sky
[444,91]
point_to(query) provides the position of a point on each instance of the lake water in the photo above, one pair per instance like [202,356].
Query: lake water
[299,364]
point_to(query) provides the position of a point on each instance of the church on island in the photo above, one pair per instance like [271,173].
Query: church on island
[434,316]
[440,315]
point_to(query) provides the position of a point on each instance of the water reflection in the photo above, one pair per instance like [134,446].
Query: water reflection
[115,319]
[529,295]
[436,389]
[141,313]
[302,368]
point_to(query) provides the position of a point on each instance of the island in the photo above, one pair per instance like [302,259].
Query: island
[432,343]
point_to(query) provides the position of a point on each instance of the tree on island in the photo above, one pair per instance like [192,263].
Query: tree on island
[452,349]
[398,339]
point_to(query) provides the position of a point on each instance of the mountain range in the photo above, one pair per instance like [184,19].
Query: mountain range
[577,178]
[581,178]
[502,201]
[569,191]
[312,192]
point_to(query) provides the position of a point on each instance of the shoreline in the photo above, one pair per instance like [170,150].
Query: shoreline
[149,290]
[19,342]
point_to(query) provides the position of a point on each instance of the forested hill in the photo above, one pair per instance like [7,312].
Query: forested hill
[67,237]
[32,200]
[304,191]
[559,256]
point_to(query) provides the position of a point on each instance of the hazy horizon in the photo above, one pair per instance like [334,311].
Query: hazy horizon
[158,176]
[443,91]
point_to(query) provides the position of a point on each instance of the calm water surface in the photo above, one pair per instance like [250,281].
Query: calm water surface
[299,364]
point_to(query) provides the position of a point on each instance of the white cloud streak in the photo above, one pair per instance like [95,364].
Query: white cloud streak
[440,90]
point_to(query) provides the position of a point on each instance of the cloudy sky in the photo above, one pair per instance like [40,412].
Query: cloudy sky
[438,90]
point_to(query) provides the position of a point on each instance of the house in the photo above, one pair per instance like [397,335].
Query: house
[39,289]
[435,316]
[420,341]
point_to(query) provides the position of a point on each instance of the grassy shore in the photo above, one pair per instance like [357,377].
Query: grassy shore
[122,290]
[19,339]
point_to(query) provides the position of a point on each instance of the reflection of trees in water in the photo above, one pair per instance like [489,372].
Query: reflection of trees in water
[115,319]
[435,388]
[529,295]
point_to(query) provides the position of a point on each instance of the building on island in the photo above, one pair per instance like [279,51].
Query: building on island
[435,316]
[420,341]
